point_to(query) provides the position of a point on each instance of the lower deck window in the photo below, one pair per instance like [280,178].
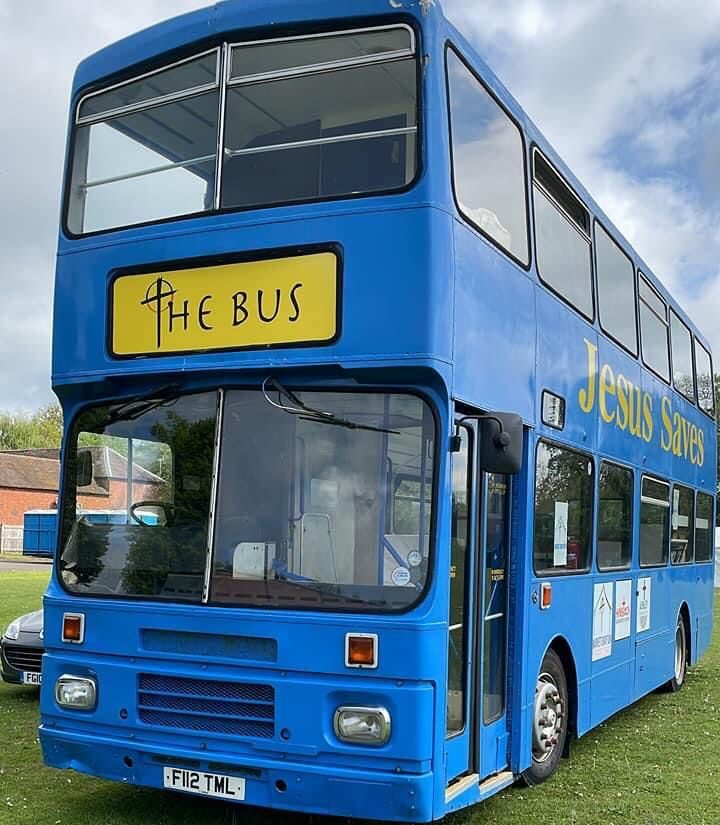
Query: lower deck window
[704,532]
[563,510]
[615,517]
[683,534]
[654,522]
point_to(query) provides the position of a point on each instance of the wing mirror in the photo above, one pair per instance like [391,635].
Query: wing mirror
[501,442]
[84,468]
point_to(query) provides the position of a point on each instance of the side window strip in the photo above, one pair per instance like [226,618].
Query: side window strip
[564,246]
[489,174]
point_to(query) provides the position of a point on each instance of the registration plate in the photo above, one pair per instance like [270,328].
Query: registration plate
[252,304]
[32,678]
[204,784]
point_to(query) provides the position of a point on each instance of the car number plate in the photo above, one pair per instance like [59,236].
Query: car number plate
[32,678]
[204,784]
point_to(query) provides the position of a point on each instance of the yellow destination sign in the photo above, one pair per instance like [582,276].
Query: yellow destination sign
[233,306]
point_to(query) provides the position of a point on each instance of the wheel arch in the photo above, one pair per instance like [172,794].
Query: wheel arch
[684,614]
[564,652]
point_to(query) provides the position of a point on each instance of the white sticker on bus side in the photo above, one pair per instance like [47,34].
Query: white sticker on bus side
[623,609]
[560,553]
[644,604]
[602,621]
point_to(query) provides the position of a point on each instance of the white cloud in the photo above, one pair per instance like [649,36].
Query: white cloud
[628,94]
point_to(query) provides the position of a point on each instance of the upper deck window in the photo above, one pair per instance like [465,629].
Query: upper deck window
[705,384]
[259,61]
[654,331]
[320,117]
[562,226]
[488,162]
[682,357]
[299,119]
[616,290]
[146,150]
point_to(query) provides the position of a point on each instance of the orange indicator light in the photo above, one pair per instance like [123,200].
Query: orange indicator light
[546,596]
[73,628]
[361,650]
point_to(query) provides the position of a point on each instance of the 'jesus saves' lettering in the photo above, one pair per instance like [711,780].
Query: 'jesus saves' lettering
[632,410]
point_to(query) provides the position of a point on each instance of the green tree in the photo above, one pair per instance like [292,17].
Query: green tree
[23,431]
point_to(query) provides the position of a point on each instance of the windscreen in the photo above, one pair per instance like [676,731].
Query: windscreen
[322,503]
[313,512]
[137,504]
[298,119]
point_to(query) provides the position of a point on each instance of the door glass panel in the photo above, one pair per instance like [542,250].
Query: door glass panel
[459,562]
[495,598]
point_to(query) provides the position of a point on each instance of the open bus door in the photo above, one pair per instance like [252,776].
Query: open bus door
[477,733]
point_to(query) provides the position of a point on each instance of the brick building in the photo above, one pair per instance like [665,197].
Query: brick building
[29,480]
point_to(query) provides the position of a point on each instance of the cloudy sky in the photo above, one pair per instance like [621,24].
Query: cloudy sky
[628,91]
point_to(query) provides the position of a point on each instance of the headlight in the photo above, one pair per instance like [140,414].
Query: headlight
[13,630]
[76,693]
[362,726]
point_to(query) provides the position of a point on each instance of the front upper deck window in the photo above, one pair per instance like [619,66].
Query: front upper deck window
[320,118]
[146,150]
[299,119]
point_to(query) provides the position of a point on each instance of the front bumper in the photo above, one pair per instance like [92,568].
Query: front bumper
[277,783]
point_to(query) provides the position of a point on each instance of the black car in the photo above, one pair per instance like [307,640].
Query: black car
[21,650]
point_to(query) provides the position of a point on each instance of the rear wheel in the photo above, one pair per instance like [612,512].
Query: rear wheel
[680,662]
[550,720]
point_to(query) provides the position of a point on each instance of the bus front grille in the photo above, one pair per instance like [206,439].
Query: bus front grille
[237,708]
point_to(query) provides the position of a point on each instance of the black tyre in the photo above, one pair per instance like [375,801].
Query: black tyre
[550,720]
[680,660]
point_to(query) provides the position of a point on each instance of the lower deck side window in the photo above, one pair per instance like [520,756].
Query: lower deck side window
[683,534]
[563,510]
[615,517]
[654,522]
[704,527]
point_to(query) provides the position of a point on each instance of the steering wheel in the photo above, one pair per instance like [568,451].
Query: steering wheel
[167,508]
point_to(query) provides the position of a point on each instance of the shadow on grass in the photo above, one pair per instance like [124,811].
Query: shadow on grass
[21,694]
[113,804]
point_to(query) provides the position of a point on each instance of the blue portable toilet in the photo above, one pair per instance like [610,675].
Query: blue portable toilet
[39,533]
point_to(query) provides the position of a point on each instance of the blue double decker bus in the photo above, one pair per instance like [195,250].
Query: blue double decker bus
[417,456]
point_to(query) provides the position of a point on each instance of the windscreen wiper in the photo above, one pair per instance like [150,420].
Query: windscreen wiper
[307,413]
[141,404]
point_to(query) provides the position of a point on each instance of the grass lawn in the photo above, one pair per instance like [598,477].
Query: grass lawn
[657,763]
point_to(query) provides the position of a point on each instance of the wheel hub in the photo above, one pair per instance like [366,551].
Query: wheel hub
[548,718]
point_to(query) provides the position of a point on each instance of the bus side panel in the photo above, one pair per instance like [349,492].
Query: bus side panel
[493,345]
[654,639]
[703,618]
